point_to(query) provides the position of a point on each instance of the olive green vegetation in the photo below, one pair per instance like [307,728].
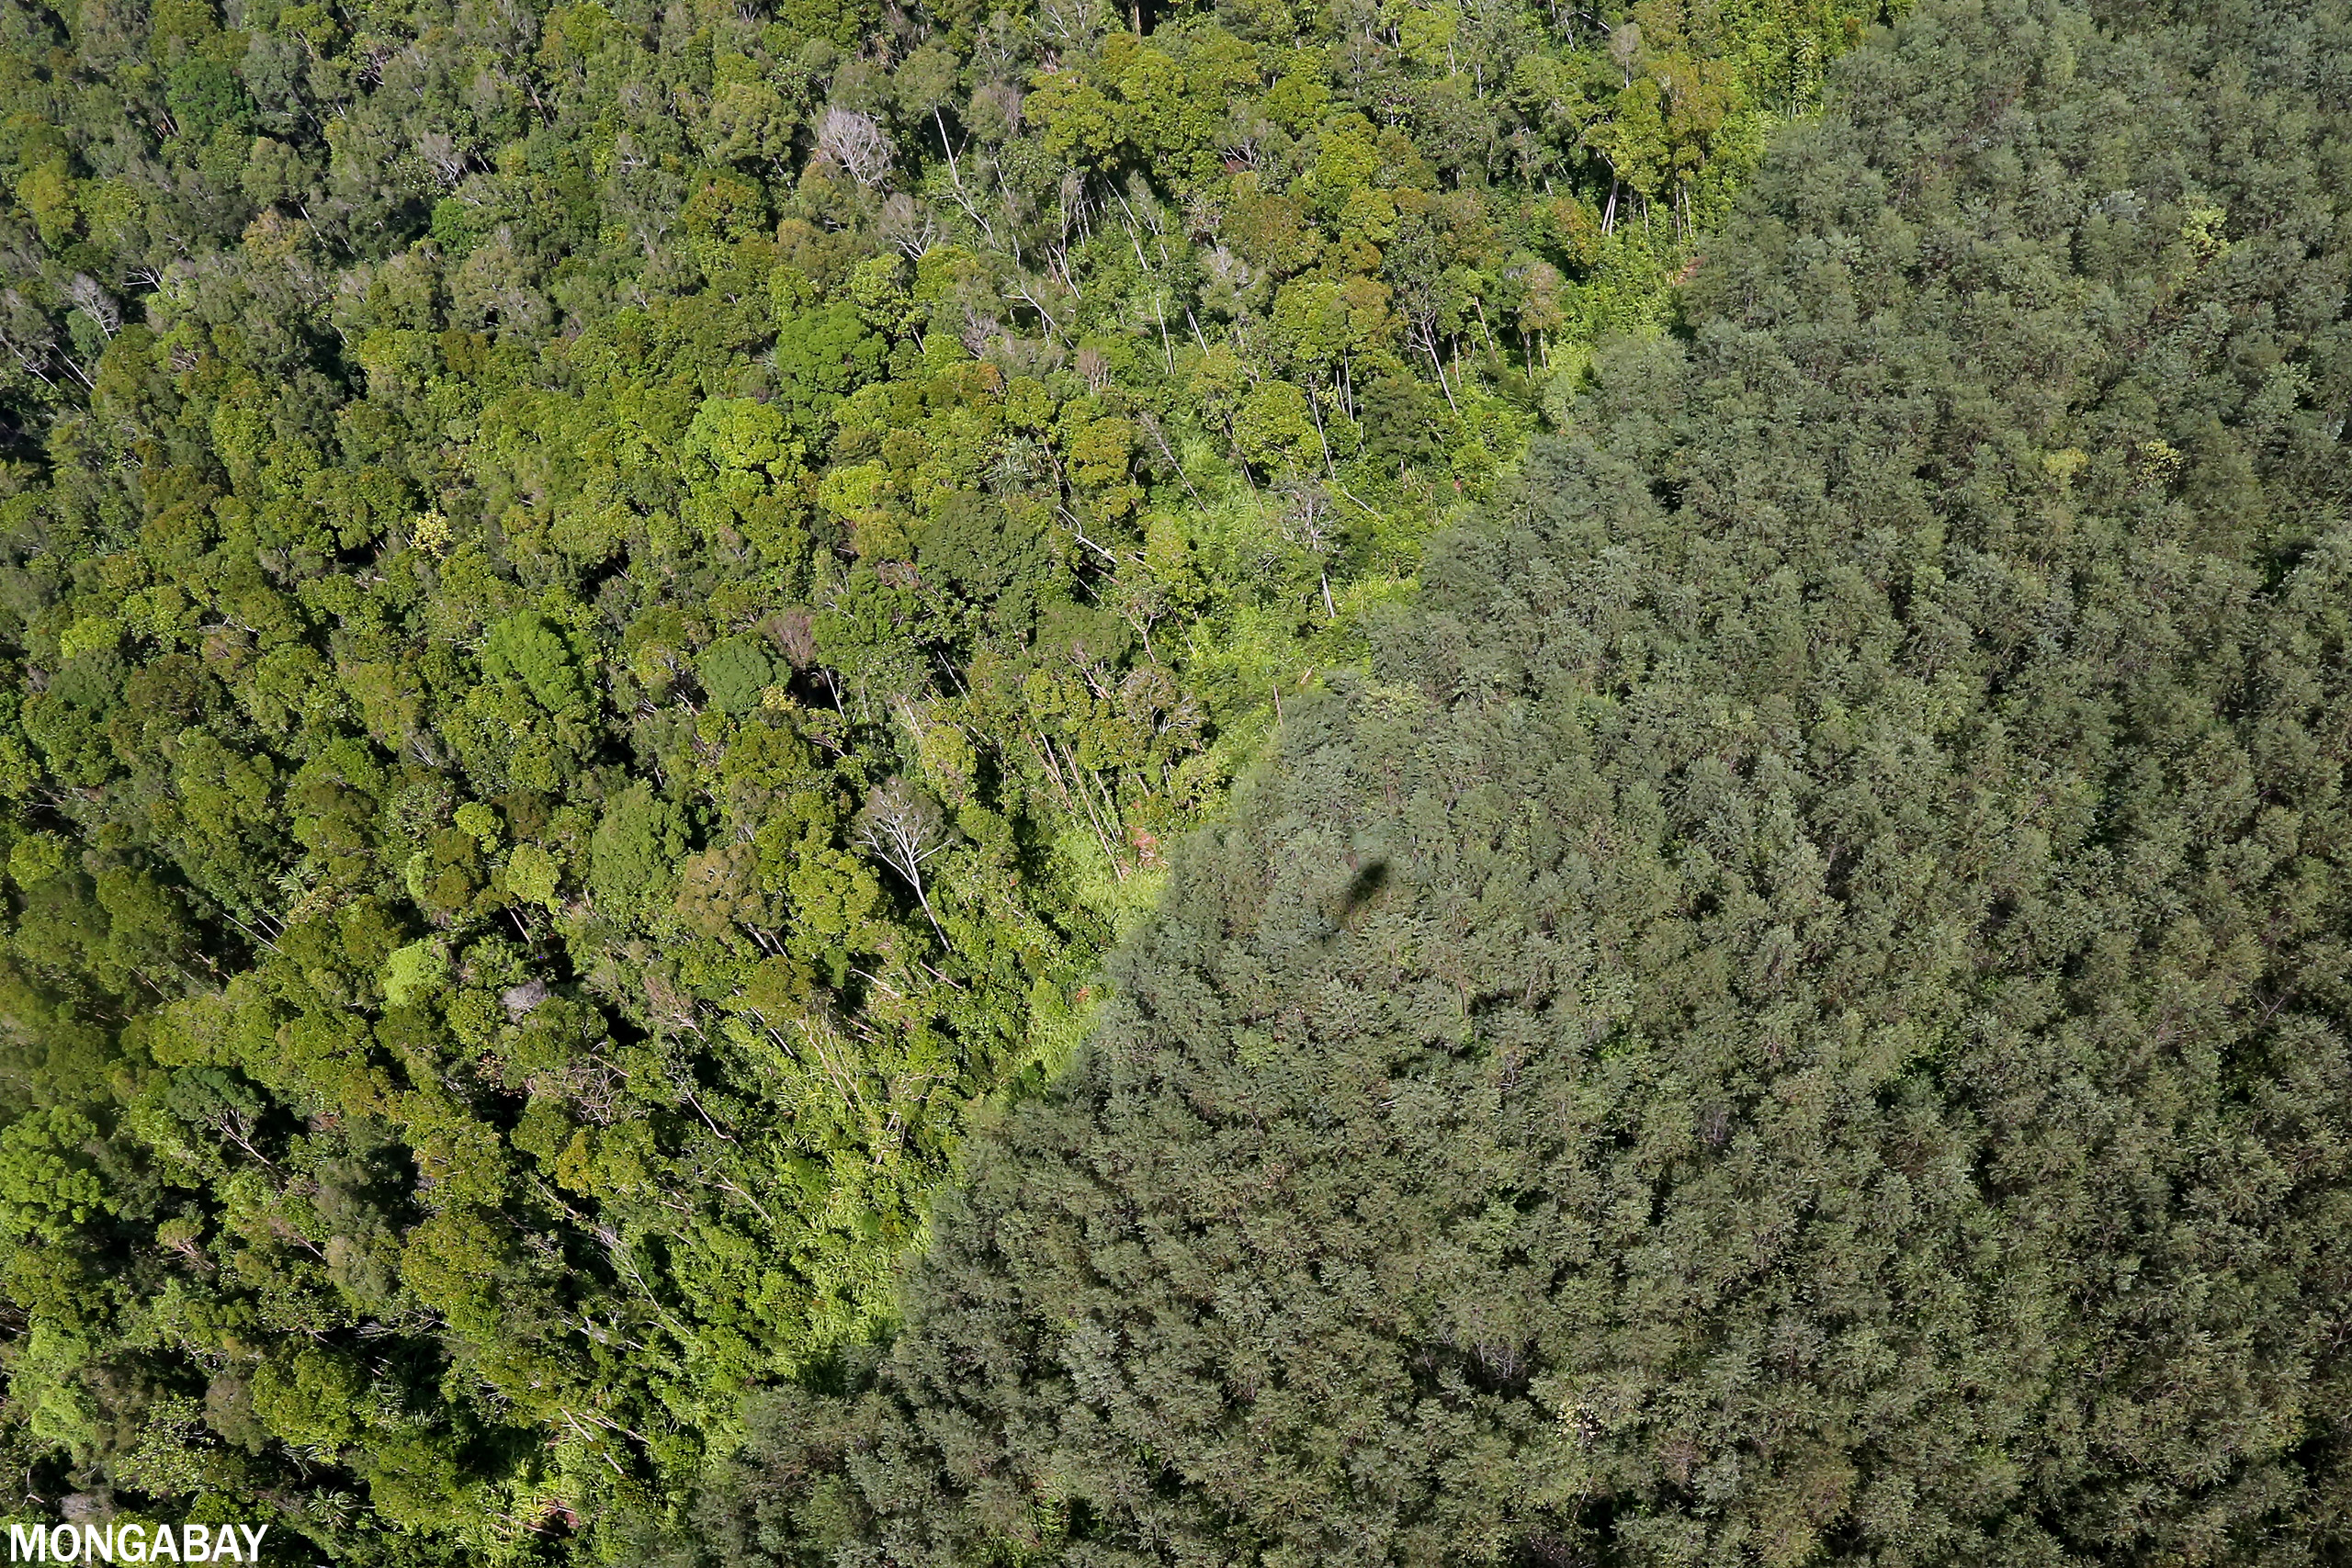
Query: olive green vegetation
[1796,1012]
[606,608]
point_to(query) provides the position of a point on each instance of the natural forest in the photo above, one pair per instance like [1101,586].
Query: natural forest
[1259,783]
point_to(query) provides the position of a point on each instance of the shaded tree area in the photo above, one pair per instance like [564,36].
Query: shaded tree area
[604,609]
[1797,1012]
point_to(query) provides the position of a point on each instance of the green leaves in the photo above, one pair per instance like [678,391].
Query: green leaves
[633,853]
[47,1184]
[733,673]
[742,435]
[416,973]
[820,357]
[205,96]
[1276,430]
[317,1401]
[528,649]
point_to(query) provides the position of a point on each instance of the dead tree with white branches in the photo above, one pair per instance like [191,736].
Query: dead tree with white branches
[903,828]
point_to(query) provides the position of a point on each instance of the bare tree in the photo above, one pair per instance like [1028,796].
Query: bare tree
[444,156]
[95,303]
[856,145]
[903,828]
[909,225]
[1626,47]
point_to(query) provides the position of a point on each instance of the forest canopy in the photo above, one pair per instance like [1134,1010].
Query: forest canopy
[1150,782]
[1795,1012]
[609,606]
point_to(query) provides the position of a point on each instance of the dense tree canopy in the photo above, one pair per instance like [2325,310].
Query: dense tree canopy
[605,607]
[1797,1012]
